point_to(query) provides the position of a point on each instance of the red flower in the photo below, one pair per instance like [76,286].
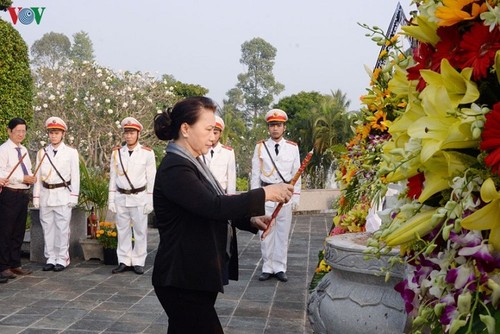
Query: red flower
[491,138]
[447,47]
[478,48]
[415,185]
[423,57]
[428,57]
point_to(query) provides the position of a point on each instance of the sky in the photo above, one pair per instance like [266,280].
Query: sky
[320,46]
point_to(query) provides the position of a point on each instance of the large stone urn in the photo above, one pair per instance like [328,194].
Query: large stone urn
[354,296]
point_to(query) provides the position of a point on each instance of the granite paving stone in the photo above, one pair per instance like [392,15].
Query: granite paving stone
[88,298]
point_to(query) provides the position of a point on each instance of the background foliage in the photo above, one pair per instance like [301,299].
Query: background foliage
[16,86]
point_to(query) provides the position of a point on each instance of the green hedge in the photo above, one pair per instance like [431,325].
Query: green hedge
[16,84]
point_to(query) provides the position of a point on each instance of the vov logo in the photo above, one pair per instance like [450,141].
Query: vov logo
[26,15]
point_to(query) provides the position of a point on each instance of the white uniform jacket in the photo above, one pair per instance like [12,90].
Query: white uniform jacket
[67,162]
[223,166]
[8,159]
[287,162]
[140,167]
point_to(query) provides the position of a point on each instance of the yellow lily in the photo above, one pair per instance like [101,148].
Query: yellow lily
[439,133]
[425,30]
[488,217]
[417,226]
[440,169]
[448,89]
[400,85]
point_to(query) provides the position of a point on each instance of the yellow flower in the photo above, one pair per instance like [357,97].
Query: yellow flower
[379,121]
[452,11]
[488,217]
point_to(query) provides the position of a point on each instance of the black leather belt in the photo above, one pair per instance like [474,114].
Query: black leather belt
[15,190]
[130,191]
[55,185]
[263,184]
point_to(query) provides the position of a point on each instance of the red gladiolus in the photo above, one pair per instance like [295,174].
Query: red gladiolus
[491,138]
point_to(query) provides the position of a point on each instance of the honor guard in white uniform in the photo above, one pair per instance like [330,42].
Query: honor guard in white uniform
[132,177]
[221,161]
[276,160]
[56,193]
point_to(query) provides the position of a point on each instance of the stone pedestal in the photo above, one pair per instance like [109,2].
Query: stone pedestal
[354,297]
[78,228]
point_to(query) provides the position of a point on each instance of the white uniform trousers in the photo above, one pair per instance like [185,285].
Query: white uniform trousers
[55,224]
[274,247]
[128,219]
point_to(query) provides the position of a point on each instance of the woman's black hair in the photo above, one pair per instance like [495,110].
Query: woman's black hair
[168,123]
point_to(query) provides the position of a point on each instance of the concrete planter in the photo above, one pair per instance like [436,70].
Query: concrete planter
[354,297]
[91,249]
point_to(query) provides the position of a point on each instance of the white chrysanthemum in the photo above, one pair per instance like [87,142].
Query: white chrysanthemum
[45,105]
[107,100]
[134,102]
[52,97]
[42,143]
[110,111]
[124,105]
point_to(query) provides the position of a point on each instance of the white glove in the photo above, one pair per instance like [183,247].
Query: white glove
[73,202]
[148,208]
[295,206]
[36,202]
[112,207]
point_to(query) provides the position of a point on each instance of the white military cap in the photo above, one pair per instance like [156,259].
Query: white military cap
[219,123]
[55,123]
[131,123]
[276,115]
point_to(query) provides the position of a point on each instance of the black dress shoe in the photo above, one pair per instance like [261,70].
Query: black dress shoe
[4,279]
[264,276]
[48,267]
[281,276]
[139,270]
[59,267]
[7,274]
[121,268]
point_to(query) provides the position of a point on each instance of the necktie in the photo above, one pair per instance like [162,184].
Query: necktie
[130,153]
[211,153]
[55,152]
[23,166]
[277,148]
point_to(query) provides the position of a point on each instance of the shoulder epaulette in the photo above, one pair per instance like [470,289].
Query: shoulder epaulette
[116,148]
[291,142]
[227,147]
[146,148]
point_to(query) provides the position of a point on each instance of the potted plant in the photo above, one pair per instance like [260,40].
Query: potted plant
[93,194]
[93,190]
[107,235]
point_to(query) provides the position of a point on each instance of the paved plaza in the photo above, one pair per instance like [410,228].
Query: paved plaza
[87,298]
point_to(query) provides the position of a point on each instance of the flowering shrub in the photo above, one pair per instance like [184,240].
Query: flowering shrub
[93,100]
[431,123]
[107,235]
